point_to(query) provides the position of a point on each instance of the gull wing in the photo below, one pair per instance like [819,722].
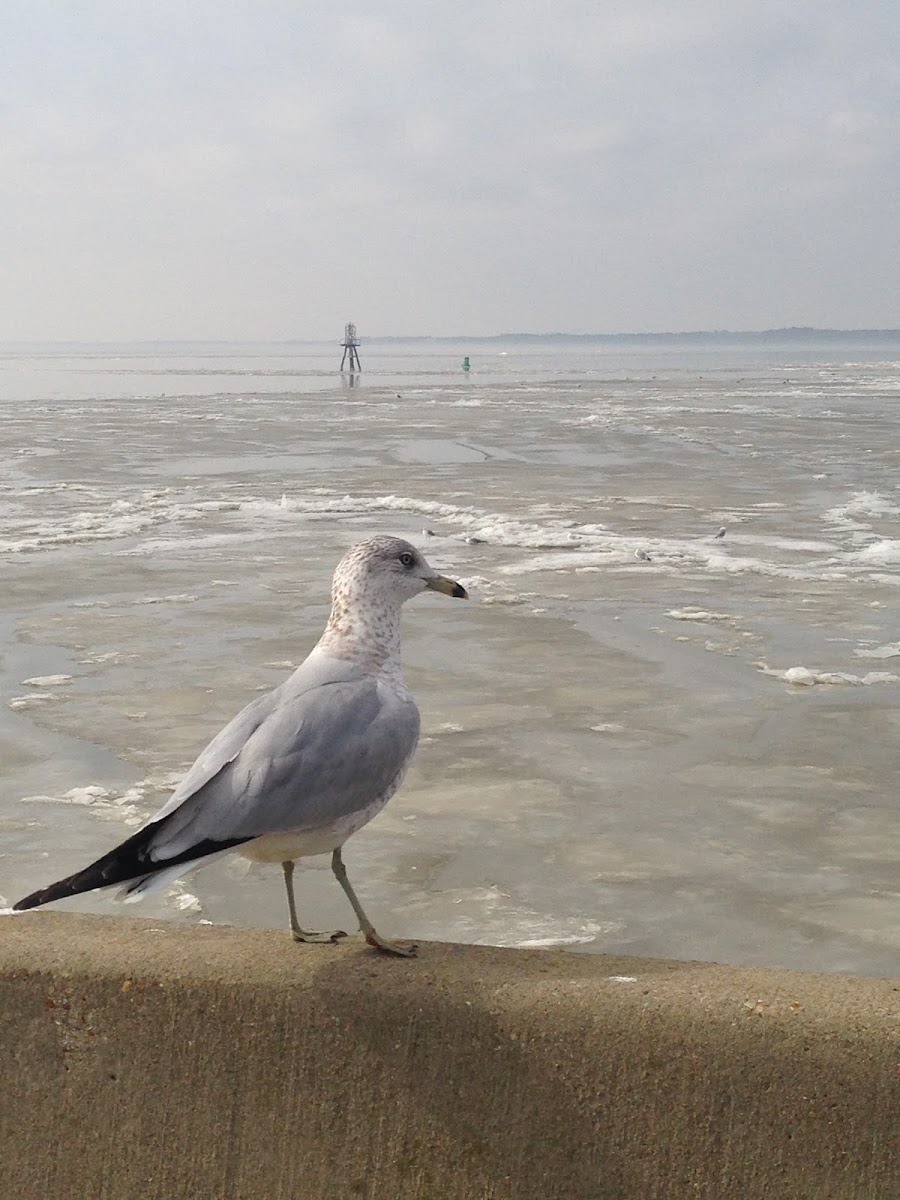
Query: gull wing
[307,761]
[312,673]
[293,760]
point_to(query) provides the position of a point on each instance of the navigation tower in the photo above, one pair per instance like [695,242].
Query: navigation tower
[350,344]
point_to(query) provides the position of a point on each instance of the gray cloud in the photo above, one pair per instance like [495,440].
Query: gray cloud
[268,170]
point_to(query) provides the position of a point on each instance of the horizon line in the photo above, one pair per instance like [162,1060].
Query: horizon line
[793,331]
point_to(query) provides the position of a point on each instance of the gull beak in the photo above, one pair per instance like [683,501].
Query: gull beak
[440,583]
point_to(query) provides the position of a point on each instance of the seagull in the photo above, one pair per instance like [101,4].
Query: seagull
[642,554]
[299,770]
[721,532]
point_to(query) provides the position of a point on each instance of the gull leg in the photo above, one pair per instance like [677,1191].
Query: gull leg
[406,949]
[298,934]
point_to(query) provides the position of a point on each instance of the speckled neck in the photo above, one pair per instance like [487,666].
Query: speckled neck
[361,631]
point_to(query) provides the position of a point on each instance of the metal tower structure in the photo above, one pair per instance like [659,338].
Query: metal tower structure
[350,343]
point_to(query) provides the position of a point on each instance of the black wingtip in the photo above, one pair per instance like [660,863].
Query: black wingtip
[37,898]
[115,867]
[73,885]
[128,862]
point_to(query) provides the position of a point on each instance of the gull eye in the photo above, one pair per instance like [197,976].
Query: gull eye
[406,559]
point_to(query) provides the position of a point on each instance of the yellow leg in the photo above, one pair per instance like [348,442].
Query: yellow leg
[406,949]
[298,934]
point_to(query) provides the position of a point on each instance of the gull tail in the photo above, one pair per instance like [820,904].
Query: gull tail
[130,863]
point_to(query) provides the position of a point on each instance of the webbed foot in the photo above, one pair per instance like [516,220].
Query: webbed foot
[404,949]
[318,936]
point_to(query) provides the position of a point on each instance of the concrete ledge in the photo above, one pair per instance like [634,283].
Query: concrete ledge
[143,1062]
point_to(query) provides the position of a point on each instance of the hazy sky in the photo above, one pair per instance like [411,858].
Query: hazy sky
[253,169]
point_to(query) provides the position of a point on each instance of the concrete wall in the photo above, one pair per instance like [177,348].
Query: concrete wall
[193,1063]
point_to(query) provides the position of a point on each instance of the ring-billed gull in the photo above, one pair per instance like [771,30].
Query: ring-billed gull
[300,769]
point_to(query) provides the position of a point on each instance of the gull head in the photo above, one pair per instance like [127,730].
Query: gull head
[384,572]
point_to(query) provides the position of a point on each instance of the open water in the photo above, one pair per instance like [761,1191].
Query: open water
[638,736]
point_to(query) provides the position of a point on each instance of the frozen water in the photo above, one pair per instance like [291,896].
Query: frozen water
[678,754]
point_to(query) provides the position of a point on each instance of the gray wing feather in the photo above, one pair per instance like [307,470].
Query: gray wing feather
[223,749]
[228,742]
[303,762]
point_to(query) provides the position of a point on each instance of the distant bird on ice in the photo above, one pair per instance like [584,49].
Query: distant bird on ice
[299,770]
[721,532]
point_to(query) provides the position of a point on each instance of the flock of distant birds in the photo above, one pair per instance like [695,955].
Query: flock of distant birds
[472,540]
[645,557]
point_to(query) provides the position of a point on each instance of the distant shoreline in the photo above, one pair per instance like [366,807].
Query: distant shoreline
[790,335]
